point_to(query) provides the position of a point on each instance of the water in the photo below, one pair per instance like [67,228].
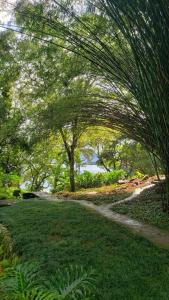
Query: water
[91,168]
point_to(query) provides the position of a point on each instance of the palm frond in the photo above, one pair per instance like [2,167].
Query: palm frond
[21,283]
[73,282]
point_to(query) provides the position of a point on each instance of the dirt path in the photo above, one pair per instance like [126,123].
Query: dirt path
[130,198]
[151,233]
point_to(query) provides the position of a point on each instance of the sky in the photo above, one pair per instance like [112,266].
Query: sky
[6,7]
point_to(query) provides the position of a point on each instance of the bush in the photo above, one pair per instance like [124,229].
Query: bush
[62,183]
[114,176]
[8,193]
[85,180]
[89,180]
[8,183]
[17,193]
[9,180]
[98,179]
[138,174]
[3,196]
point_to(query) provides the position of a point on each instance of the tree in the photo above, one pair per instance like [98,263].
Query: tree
[131,53]
[9,116]
[94,142]
[114,151]
[57,90]
[43,164]
[12,141]
[62,117]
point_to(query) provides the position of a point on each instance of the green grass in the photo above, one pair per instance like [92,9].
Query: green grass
[128,267]
[98,196]
[146,208]
[100,199]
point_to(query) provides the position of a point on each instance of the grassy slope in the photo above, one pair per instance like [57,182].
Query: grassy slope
[98,199]
[128,267]
[147,208]
[101,195]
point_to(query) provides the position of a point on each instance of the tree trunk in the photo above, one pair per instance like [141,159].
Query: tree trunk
[70,149]
[165,199]
[55,183]
[104,165]
[72,172]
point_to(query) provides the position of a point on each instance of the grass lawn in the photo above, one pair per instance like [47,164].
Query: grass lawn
[147,208]
[57,234]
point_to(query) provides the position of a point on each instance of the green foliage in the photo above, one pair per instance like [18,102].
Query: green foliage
[147,208]
[19,280]
[98,196]
[63,182]
[8,183]
[58,234]
[120,38]
[6,244]
[138,174]
[21,283]
[5,194]
[11,137]
[9,180]
[6,263]
[85,180]
[44,164]
[59,100]
[73,282]
[126,154]
[114,176]
[61,92]
[10,116]
[89,180]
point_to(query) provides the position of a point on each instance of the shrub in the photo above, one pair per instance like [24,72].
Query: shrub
[17,193]
[8,193]
[89,180]
[8,183]
[9,180]
[85,180]
[138,174]
[3,195]
[114,176]
[62,182]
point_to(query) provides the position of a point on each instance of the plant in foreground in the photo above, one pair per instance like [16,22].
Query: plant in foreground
[6,245]
[21,283]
